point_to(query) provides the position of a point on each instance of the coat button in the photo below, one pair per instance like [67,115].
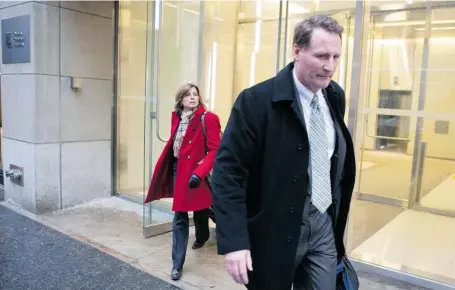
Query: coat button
[190,142]
[292,210]
[189,157]
[295,179]
[300,147]
[288,240]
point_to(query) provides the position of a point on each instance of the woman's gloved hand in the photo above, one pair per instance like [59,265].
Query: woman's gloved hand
[195,181]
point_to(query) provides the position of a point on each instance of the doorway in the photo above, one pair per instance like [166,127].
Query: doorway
[405,144]
[409,109]
[222,46]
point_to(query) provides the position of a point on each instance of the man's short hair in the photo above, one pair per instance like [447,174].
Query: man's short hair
[304,29]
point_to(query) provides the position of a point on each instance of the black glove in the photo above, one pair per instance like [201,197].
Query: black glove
[195,181]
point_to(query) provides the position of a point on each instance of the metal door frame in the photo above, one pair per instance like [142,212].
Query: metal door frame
[419,153]
[153,113]
[356,127]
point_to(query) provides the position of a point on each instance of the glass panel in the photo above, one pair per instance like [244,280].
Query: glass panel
[173,46]
[343,74]
[258,9]
[132,60]
[394,72]
[437,184]
[177,54]
[257,34]
[256,53]
[218,55]
[382,231]
[438,175]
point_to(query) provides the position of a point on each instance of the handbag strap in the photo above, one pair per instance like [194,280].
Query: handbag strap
[204,131]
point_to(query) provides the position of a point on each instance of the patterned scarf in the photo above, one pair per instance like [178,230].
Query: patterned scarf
[181,131]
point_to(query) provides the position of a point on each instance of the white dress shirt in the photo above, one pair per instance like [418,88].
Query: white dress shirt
[305,97]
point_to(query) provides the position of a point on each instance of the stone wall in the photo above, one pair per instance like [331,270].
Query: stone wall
[59,135]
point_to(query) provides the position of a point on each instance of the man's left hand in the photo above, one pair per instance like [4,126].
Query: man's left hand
[195,181]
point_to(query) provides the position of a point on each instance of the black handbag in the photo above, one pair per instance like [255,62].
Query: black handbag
[346,275]
[209,176]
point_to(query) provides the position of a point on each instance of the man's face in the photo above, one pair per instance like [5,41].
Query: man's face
[316,64]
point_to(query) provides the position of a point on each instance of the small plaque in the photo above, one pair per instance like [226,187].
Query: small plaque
[441,127]
[16,40]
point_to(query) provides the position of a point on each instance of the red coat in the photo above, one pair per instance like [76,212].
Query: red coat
[192,159]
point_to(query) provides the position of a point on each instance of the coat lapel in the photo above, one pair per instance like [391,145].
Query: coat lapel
[285,91]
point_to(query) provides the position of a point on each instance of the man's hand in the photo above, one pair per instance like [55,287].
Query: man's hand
[237,264]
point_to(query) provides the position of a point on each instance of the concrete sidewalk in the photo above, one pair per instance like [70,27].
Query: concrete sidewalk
[33,256]
[113,226]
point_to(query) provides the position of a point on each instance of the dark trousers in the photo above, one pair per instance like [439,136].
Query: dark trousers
[180,233]
[180,230]
[316,259]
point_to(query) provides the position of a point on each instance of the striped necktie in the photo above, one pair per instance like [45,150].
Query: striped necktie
[321,195]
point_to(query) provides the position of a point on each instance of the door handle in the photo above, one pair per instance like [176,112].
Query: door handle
[382,137]
[156,114]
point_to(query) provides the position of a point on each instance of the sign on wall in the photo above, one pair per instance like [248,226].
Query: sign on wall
[16,39]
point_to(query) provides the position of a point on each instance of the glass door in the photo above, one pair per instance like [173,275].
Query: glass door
[435,183]
[174,39]
[388,140]
[404,201]
[187,42]
[407,146]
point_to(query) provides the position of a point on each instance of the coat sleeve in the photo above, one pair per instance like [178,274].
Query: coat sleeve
[230,174]
[213,127]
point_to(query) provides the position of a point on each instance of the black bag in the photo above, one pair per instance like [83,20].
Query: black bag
[209,176]
[346,276]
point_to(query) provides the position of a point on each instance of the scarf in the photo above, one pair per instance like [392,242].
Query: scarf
[181,131]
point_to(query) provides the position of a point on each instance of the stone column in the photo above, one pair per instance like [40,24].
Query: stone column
[57,107]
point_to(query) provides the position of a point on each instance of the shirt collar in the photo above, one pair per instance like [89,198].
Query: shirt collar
[305,93]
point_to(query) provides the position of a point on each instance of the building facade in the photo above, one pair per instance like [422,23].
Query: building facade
[87,113]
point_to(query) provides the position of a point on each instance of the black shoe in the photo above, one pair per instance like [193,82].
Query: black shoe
[197,245]
[176,274]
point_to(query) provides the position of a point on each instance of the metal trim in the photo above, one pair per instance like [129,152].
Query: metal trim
[299,16]
[234,48]
[159,229]
[421,106]
[443,212]
[404,274]
[158,64]
[129,197]
[420,170]
[279,38]
[415,6]
[285,49]
[408,113]
[356,67]
[348,17]
[152,86]
[114,113]
[354,90]
[382,199]
[155,230]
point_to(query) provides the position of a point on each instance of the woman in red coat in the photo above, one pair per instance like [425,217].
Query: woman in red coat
[182,168]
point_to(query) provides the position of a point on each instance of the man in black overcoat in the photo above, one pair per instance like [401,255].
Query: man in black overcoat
[285,171]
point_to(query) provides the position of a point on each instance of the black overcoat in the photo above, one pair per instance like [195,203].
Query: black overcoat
[260,179]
